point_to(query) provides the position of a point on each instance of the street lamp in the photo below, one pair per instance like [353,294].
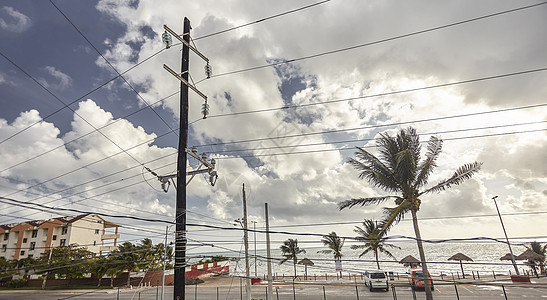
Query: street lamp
[506,238]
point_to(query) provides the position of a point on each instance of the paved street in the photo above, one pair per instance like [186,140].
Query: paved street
[301,292]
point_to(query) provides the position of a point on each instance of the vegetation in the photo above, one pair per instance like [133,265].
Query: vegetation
[399,170]
[335,244]
[290,251]
[374,240]
[542,251]
[71,262]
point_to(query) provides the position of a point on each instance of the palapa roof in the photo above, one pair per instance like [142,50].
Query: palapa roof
[409,260]
[530,255]
[306,262]
[460,257]
[506,257]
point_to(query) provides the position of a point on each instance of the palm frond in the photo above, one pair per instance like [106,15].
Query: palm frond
[325,251]
[363,201]
[374,170]
[394,215]
[462,174]
[434,149]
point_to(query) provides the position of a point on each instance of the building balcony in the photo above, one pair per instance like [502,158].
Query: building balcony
[110,236]
[108,248]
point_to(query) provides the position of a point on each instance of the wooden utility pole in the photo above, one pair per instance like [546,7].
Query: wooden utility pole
[246,242]
[180,232]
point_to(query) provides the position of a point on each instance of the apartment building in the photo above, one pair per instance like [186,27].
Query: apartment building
[33,238]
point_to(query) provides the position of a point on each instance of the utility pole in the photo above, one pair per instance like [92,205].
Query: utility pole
[180,218]
[180,231]
[254,229]
[268,254]
[246,242]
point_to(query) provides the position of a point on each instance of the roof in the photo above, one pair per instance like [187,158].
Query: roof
[460,257]
[64,220]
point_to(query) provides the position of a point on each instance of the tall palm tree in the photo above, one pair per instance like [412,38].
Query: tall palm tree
[398,169]
[335,244]
[290,250]
[374,240]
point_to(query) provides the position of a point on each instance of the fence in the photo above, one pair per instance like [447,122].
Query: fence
[349,291]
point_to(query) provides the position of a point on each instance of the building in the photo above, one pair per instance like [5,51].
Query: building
[33,238]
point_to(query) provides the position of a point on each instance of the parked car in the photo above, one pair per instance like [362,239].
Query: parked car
[376,280]
[417,279]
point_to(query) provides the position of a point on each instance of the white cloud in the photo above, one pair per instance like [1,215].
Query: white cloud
[13,20]
[61,80]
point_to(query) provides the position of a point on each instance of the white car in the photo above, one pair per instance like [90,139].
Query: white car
[376,280]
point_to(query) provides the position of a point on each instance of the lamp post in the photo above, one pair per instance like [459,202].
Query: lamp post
[506,238]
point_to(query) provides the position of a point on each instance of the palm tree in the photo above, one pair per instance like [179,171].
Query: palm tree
[290,250]
[374,238]
[541,250]
[335,243]
[398,169]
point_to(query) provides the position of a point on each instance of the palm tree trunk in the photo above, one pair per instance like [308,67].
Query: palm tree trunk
[377,262]
[428,294]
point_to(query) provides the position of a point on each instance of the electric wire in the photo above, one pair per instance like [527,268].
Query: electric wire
[68,106]
[133,67]
[382,40]
[262,20]
[108,62]
[377,126]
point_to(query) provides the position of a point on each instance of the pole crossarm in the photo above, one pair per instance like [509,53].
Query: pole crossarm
[179,77]
[179,37]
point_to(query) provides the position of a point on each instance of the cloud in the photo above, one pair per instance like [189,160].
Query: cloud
[63,80]
[15,21]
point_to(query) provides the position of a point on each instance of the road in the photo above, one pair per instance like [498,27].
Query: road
[301,292]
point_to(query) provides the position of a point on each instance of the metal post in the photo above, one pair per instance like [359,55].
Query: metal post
[506,238]
[254,229]
[457,295]
[268,254]
[324,294]
[180,232]
[504,293]
[394,292]
[246,242]
[164,259]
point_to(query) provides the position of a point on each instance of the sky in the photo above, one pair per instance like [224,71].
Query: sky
[296,87]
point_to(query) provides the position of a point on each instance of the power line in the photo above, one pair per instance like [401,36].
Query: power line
[138,64]
[382,94]
[113,68]
[352,148]
[371,139]
[67,105]
[381,41]
[261,20]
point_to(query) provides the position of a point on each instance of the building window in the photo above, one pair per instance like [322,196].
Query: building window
[24,240]
[4,247]
[64,230]
[100,222]
[32,245]
[22,253]
[62,242]
[94,243]
[96,231]
[34,233]
[54,237]
[6,236]
[30,256]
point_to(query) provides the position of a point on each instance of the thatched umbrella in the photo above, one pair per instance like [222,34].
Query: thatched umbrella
[530,255]
[411,261]
[306,262]
[506,257]
[460,257]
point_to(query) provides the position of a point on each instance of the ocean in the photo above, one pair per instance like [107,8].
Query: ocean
[485,255]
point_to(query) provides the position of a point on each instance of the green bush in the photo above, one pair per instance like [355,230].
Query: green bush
[16,283]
